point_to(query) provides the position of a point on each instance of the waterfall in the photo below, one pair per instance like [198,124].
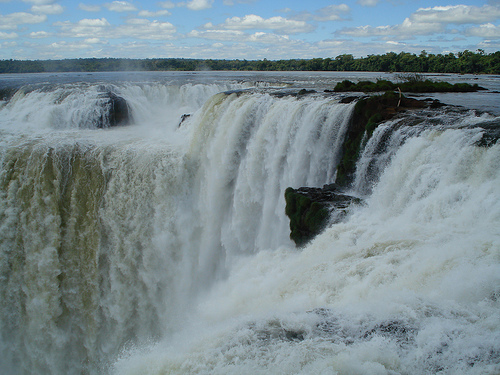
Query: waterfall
[162,247]
[108,239]
[407,285]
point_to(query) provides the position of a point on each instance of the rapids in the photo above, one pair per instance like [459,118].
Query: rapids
[163,248]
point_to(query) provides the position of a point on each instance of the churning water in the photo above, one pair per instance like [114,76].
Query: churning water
[160,248]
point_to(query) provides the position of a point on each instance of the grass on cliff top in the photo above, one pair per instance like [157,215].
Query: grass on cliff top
[410,85]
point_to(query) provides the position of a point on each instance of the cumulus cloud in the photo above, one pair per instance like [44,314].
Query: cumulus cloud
[86,28]
[69,46]
[199,4]
[232,2]
[47,9]
[167,4]
[336,12]
[145,29]
[94,41]
[456,14]
[367,3]
[428,21]
[120,6]
[89,8]
[252,21]
[39,34]
[11,21]
[487,31]
[4,35]
[226,35]
[160,13]
[39,2]
[332,13]
[133,28]
[407,29]
[240,36]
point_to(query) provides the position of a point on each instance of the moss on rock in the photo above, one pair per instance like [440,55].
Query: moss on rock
[307,217]
[368,113]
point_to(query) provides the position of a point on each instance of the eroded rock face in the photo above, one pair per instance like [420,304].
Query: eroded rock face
[311,209]
[369,112]
[117,112]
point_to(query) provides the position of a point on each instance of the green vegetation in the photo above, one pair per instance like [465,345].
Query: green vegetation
[367,115]
[307,217]
[462,62]
[411,85]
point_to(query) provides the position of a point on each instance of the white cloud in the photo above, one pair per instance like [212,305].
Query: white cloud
[89,8]
[8,44]
[8,35]
[39,2]
[167,4]
[429,21]
[456,14]
[69,46]
[332,12]
[145,29]
[94,41]
[39,34]
[252,21]
[240,36]
[86,28]
[232,2]
[406,30]
[487,31]
[227,35]
[133,28]
[368,3]
[47,9]
[120,6]
[160,13]
[199,4]
[11,21]
[268,38]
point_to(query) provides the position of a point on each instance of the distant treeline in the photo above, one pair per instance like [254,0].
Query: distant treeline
[462,62]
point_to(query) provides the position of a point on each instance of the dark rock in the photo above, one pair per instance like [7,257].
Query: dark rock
[348,99]
[491,133]
[305,92]
[116,111]
[184,117]
[368,113]
[436,104]
[311,209]
[6,93]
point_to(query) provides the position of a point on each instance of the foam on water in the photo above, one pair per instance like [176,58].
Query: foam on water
[408,285]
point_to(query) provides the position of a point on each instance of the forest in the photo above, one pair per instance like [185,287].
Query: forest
[466,62]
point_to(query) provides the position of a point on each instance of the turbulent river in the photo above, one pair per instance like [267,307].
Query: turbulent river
[162,247]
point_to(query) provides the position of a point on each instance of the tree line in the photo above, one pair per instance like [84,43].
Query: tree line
[466,62]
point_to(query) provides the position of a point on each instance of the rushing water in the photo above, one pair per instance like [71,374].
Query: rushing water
[160,248]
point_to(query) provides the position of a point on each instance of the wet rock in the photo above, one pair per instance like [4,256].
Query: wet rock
[311,209]
[368,113]
[305,92]
[184,117]
[116,111]
[348,99]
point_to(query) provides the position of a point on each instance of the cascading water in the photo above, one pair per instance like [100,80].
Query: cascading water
[164,249]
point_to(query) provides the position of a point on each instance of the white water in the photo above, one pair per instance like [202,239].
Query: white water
[157,250]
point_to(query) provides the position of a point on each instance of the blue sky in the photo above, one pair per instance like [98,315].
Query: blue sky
[243,29]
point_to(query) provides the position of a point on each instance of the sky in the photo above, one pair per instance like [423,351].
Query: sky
[243,29]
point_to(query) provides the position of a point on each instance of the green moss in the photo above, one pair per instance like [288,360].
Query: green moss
[307,218]
[367,115]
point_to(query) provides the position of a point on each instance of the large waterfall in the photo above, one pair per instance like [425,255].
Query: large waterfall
[162,247]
